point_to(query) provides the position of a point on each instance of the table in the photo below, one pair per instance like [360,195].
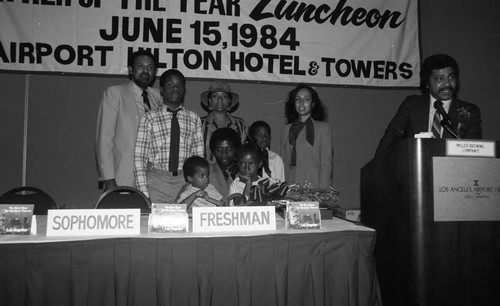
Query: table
[331,266]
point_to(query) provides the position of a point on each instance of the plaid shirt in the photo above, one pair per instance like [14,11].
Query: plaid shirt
[152,147]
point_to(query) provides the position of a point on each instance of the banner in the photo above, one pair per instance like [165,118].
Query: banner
[342,42]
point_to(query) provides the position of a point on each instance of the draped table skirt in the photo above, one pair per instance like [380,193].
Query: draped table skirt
[325,267]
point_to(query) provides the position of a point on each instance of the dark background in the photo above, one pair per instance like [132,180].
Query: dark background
[61,110]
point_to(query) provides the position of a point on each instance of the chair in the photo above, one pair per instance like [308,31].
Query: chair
[124,197]
[30,195]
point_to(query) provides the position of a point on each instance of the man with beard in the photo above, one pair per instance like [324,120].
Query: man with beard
[122,106]
[418,113]
[166,137]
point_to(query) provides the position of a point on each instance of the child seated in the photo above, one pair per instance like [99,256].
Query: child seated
[249,161]
[198,192]
[259,133]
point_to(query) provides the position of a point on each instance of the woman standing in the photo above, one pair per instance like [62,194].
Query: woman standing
[220,101]
[307,142]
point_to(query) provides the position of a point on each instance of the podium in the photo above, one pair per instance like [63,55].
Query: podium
[420,260]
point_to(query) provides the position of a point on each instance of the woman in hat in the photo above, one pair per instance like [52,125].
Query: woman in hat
[220,102]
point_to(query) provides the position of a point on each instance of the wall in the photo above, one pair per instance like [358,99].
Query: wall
[62,109]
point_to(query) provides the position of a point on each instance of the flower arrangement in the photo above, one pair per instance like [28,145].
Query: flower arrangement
[328,198]
[463,114]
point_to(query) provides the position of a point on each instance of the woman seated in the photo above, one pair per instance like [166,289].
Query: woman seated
[224,143]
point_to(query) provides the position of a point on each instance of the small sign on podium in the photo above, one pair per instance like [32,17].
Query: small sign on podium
[472,148]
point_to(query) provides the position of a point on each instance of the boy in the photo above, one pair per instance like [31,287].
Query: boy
[198,191]
[249,162]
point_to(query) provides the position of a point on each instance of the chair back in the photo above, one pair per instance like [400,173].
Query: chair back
[124,197]
[30,195]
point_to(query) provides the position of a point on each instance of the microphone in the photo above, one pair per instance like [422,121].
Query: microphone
[446,122]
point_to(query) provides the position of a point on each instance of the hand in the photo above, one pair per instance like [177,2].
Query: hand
[244,178]
[201,194]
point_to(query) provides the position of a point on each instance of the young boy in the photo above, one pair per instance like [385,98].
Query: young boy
[249,162]
[198,191]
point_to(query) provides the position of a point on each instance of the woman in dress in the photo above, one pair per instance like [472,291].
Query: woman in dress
[307,142]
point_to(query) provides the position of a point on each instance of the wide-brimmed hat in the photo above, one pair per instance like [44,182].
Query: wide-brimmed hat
[219,86]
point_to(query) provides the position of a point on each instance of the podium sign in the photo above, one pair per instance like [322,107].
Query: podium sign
[466,189]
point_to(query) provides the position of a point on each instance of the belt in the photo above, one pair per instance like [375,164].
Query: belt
[166,172]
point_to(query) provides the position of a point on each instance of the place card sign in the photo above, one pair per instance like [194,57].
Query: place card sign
[302,215]
[478,148]
[15,219]
[229,218]
[93,222]
[168,218]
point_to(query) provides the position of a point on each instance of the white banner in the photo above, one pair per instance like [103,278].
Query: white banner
[343,42]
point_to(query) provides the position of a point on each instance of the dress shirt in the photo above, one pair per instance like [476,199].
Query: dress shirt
[276,166]
[152,147]
[432,111]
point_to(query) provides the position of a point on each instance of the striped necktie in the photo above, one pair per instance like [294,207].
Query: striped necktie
[436,125]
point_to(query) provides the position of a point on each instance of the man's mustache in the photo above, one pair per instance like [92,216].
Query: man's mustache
[451,88]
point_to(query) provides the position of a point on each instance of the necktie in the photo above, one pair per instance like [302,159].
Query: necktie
[436,126]
[175,136]
[146,100]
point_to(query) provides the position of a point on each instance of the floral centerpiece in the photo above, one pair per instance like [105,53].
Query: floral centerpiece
[327,198]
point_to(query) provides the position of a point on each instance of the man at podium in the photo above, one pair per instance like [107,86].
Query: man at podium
[436,113]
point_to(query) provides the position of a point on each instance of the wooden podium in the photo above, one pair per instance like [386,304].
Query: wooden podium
[421,261]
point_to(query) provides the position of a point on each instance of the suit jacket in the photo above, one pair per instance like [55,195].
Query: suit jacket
[314,163]
[117,124]
[412,118]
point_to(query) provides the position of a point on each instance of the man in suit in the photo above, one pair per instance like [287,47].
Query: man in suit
[439,82]
[121,109]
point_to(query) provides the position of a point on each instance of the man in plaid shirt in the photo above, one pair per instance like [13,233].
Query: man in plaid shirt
[163,145]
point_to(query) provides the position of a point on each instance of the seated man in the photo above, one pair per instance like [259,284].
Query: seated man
[437,105]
